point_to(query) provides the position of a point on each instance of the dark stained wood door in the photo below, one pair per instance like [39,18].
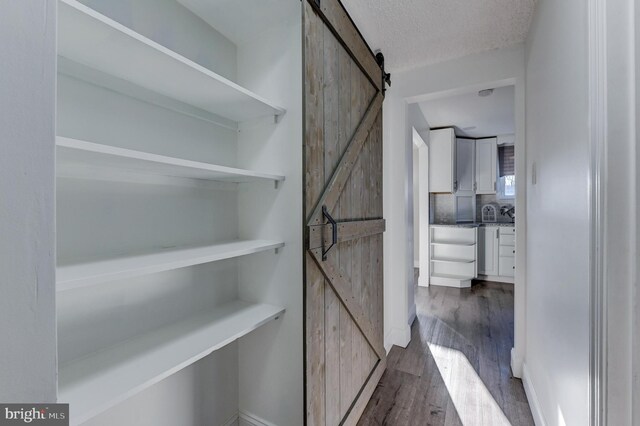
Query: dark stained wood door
[343,89]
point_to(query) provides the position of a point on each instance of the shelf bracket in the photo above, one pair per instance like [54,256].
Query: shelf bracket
[276,251]
[276,184]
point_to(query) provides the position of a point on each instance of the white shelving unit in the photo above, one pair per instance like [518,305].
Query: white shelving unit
[116,50]
[81,159]
[140,349]
[91,273]
[453,255]
[101,380]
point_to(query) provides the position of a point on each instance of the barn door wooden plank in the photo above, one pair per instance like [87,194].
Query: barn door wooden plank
[344,351]
[339,21]
[332,192]
[332,154]
[353,305]
[348,389]
[314,182]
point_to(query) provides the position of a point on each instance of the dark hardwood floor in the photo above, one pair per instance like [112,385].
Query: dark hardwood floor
[456,370]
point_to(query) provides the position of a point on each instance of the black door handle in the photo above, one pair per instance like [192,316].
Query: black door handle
[334,232]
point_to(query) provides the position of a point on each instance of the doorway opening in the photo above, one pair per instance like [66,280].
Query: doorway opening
[469,294]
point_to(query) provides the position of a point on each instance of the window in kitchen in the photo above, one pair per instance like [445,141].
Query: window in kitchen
[506,165]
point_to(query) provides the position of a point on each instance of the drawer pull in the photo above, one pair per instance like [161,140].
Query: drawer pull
[514,252]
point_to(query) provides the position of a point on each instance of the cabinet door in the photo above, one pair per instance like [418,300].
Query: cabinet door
[442,160]
[488,250]
[486,166]
[507,266]
[465,166]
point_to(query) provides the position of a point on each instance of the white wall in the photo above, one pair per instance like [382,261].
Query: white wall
[271,375]
[27,221]
[421,210]
[416,207]
[494,68]
[558,226]
[636,296]
[170,24]
[621,265]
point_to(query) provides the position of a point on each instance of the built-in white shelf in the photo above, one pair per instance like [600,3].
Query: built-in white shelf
[452,276]
[452,260]
[453,243]
[91,39]
[90,273]
[80,158]
[99,381]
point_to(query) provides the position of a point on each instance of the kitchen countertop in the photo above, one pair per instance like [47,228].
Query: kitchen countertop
[473,225]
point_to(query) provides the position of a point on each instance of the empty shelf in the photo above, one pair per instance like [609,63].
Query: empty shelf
[452,260]
[90,38]
[453,277]
[453,243]
[79,158]
[90,273]
[99,381]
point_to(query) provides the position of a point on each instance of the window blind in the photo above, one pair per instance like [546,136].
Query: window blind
[506,160]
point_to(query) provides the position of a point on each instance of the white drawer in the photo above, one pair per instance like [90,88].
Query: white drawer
[506,266]
[508,251]
[507,240]
[508,230]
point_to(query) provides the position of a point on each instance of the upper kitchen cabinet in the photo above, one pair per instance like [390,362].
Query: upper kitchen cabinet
[465,166]
[486,165]
[442,169]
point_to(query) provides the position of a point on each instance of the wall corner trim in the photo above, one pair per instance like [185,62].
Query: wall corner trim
[532,397]
[516,364]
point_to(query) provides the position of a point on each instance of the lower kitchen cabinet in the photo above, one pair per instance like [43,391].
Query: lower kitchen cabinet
[488,250]
[496,253]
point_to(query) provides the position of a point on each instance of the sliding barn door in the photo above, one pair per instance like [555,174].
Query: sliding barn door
[344,352]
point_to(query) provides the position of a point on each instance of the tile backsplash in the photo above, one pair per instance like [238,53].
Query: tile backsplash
[442,207]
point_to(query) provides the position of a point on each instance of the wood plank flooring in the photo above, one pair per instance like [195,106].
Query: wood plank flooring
[456,370]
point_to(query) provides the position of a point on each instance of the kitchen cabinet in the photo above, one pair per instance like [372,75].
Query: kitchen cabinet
[486,169]
[488,250]
[465,166]
[442,164]
[454,251]
[497,253]
[507,250]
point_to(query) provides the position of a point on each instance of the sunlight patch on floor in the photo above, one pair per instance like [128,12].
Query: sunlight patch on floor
[473,401]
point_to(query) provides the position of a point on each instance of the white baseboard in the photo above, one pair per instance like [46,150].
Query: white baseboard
[495,278]
[532,396]
[423,281]
[516,364]
[248,419]
[232,421]
[243,418]
[398,337]
[412,315]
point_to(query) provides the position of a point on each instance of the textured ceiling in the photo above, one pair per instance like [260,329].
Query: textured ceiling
[419,32]
[481,116]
